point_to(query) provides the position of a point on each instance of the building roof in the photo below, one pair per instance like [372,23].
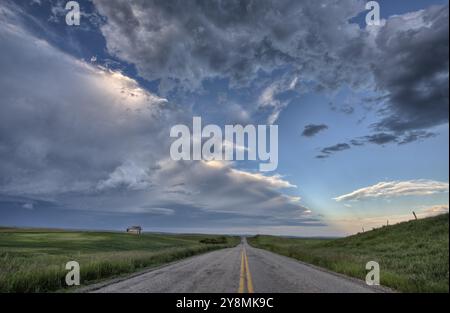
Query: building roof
[135,227]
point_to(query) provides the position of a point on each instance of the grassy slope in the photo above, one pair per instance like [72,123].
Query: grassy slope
[413,256]
[34,260]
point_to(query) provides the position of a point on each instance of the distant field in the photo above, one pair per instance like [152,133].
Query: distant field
[34,260]
[413,256]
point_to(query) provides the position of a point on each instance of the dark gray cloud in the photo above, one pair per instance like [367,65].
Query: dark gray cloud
[412,67]
[380,138]
[335,148]
[327,151]
[313,129]
[185,42]
[387,138]
[344,108]
[347,109]
[182,44]
[415,136]
[357,142]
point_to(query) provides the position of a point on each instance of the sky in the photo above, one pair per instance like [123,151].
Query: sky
[86,111]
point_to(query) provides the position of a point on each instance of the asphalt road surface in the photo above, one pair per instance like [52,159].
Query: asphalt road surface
[240,269]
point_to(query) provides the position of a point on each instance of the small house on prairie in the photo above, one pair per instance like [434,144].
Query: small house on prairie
[134,230]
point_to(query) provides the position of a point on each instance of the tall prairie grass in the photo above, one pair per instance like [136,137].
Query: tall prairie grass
[413,256]
[34,261]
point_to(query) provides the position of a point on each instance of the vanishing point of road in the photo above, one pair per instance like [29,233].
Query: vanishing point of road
[240,269]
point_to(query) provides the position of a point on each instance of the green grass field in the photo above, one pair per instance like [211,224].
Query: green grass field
[413,256]
[34,260]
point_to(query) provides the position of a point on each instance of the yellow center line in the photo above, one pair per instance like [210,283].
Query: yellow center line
[245,274]
[249,276]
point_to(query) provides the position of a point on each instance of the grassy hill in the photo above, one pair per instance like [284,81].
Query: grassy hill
[33,260]
[413,256]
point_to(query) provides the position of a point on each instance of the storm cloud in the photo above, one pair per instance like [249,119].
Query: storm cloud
[183,43]
[413,69]
[76,136]
[189,41]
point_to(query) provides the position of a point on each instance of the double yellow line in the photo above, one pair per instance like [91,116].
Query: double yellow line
[245,274]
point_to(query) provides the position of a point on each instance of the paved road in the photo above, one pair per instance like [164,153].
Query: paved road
[239,269]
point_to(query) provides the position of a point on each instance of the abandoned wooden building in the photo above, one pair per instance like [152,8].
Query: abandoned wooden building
[134,230]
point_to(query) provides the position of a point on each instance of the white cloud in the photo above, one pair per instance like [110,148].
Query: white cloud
[275,181]
[28,206]
[65,122]
[435,210]
[129,175]
[355,224]
[420,187]
[152,210]
[212,186]
[269,97]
